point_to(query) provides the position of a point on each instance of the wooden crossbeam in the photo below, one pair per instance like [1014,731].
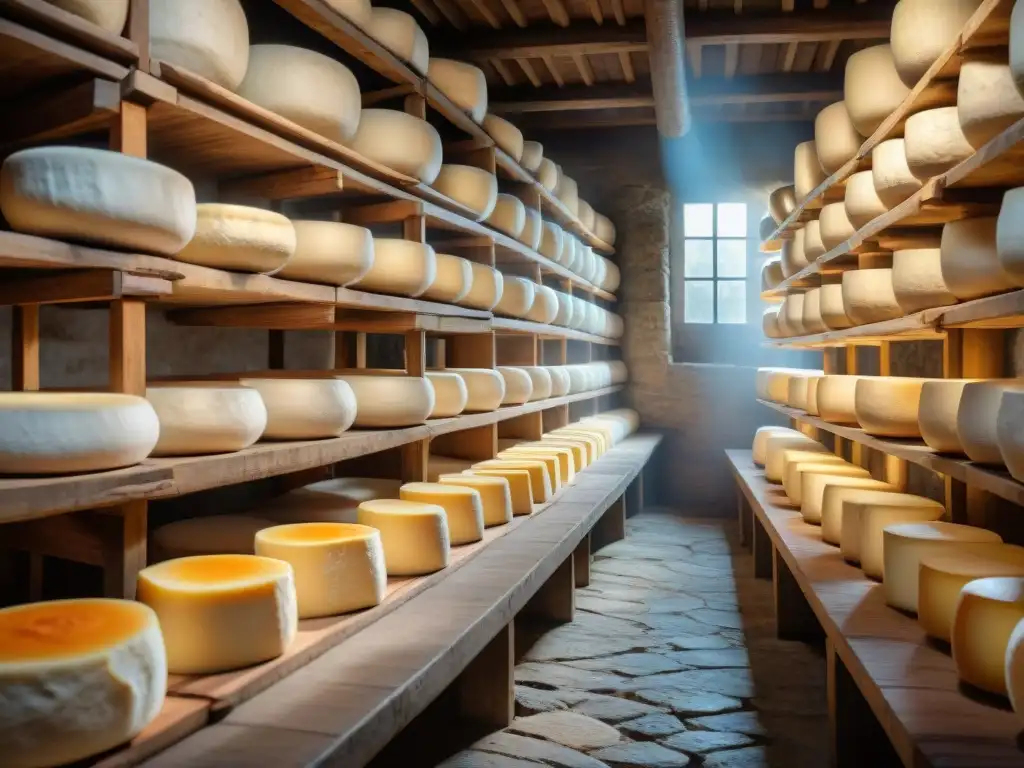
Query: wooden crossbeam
[79,286]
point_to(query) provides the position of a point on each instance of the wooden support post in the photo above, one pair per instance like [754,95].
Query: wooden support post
[476,444]
[487,687]
[581,562]
[763,551]
[745,515]
[416,353]
[25,348]
[128,132]
[555,601]
[127,346]
[856,449]
[529,426]
[794,619]
[635,496]
[275,350]
[556,417]
[125,557]
[471,350]
[138,30]
[612,525]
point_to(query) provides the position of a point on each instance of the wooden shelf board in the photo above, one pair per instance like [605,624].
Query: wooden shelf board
[178,718]
[77,31]
[18,251]
[509,325]
[910,684]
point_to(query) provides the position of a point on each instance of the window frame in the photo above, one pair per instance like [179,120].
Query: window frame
[715,280]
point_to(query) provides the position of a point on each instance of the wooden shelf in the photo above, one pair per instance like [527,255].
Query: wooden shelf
[910,685]
[509,325]
[66,26]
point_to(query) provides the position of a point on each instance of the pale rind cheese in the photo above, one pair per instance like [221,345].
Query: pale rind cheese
[887,405]
[1014,672]
[399,33]
[1009,432]
[202,602]
[812,395]
[987,614]
[485,289]
[770,323]
[551,240]
[807,171]
[813,487]
[533,229]
[505,135]
[58,433]
[520,486]
[812,321]
[402,267]
[922,31]
[338,567]
[306,87]
[533,154]
[796,396]
[210,535]
[414,535]
[465,84]
[240,238]
[814,246]
[462,506]
[942,577]
[509,215]
[835,224]
[760,446]
[830,303]
[77,678]
[559,380]
[862,202]
[540,379]
[356,11]
[776,448]
[450,394]
[835,138]
[329,501]
[833,507]
[800,463]
[977,418]
[893,179]
[604,228]
[542,484]
[198,420]
[109,15]
[452,281]
[917,280]
[987,100]
[516,296]
[547,174]
[518,385]
[485,388]
[937,414]
[399,141]
[391,401]
[98,197]
[874,516]
[791,316]
[771,274]
[793,257]
[1010,235]
[587,215]
[207,37]
[545,305]
[935,142]
[329,252]
[905,545]
[474,188]
[782,202]
[872,88]
[569,195]
[495,495]
[305,409]
[869,297]
[970,262]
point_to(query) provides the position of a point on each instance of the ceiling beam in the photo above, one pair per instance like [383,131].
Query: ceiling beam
[645,117]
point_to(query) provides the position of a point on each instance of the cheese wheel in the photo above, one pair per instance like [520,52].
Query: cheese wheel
[792,317]
[796,394]
[869,297]
[306,87]
[776,449]
[835,138]
[519,484]
[485,388]
[305,409]
[771,274]
[917,280]
[551,240]
[109,15]
[399,33]
[545,305]
[987,614]
[211,535]
[906,545]
[516,296]
[893,179]
[329,501]
[887,405]
[57,433]
[807,171]
[970,261]
[533,154]
[533,227]
[872,88]
[77,677]
[462,505]
[812,395]
[540,380]
[782,202]
[761,436]
[935,142]
[770,323]
[1008,432]
[793,257]
[940,401]
[1010,235]
[464,84]
[586,448]
[548,457]
[977,418]
[518,385]
[400,267]
[485,289]
[922,30]
[399,141]
[943,576]
[414,535]
[987,101]
[391,401]
[819,463]
[338,567]
[203,601]
[575,452]
[508,138]
[98,197]
[604,228]
[470,187]
[862,202]
[198,420]
[207,37]
[452,281]
[813,487]
[547,174]
[835,226]
[833,515]
[450,394]
[587,215]
[812,321]
[240,238]
[509,215]
[597,440]
[872,517]
[830,304]
[541,481]
[559,380]
[495,496]
[569,194]
[1017,44]
[356,11]
[814,246]
[329,252]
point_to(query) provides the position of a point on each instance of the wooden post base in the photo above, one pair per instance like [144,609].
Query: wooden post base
[763,551]
[635,496]
[486,688]
[745,519]
[794,618]
[611,527]
[556,600]
[581,562]
[857,738]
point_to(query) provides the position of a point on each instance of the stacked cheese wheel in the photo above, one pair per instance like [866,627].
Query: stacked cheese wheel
[774,384]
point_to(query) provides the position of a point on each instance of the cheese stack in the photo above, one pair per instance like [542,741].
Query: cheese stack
[495,495]
[987,614]
[761,441]
[774,469]
[833,513]
[577,451]
[797,464]
[814,486]
[414,535]
[520,487]
[560,461]
[867,520]
[585,449]
[462,506]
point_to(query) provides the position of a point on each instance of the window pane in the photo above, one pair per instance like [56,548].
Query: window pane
[732,301]
[732,258]
[699,301]
[699,258]
[732,220]
[698,220]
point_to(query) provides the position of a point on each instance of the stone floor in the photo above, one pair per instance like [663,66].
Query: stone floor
[672,661]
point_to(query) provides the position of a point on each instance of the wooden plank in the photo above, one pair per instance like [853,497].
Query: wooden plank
[554,602]
[25,348]
[29,252]
[89,106]
[76,30]
[127,346]
[179,717]
[487,686]
[80,286]
[509,325]
[285,185]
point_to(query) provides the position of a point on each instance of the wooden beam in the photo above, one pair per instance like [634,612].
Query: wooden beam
[515,12]
[790,57]
[555,74]
[502,70]
[619,12]
[487,13]
[628,73]
[586,71]
[595,11]
[557,12]
[428,11]
[831,49]
[529,71]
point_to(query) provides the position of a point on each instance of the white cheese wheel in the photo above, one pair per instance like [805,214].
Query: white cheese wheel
[98,197]
[541,481]
[471,187]
[551,240]
[545,305]
[970,261]
[943,576]
[399,33]
[399,141]
[812,320]
[518,385]
[509,215]
[604,229]
[77,677]
[485,289]
[770,323]
[587,215]
[305,409]
[835,226]
[356,11]
[814,246]
[807,171]
[547,174]
[462,506]
[796,393]
[761,378]
[833,507]
[793,257]
[872,88]
[830,304]
[569,194]
[533,155]
[835,139]
[207,37]
[778,382]
[401,267]
[782,202]
[109,15]
[414,535]
[485,386]
[917,280]
[869,297]
[540,379]
[57,433]
[940,401]
[516,296]
[211,535]
[559,380]
[837,398]
[453,280]
[329,252]
[203,601]
[390,401]
[988,101]
[329,501]
[1010,235]
[922,30]
[935,142]
[760,444]
[240,238]
[893,179]
[505,135]
[771,274]
[450,394]
[977,418]
[495,496]
[797,463]
[338,567]
[306,87]
[906,545]
[987,614]
[519,485]
[814,486]
[1008,432]
[873,517]
[862,202]
[530,234]
[777,447]
[197,420]
[464,84]
[887,405]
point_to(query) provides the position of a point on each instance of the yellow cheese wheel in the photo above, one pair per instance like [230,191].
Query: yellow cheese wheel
[1008,433]
[837,398]
[547,174]
[519,485]
[971,266]
[464,84]
[401,267]
[922,30]
[1010,235]
[812,394]
[988,612]
[463,508]
[893,179]
[571,457]
[505,135]
[813,487]
[833,312]
[509,215]
[597,439]
[210,535]
[776,448]
[560,461]
[356,11]
[770,323]
[867,520]
[869,297]
[761,436]
[399,141]
[872,88]
[798,463]
[781,203]
[485,388]
[812,321]
[584,451]
[977,418]
[1015,667]
[917,280]
[109,15]
[495,495]
[329,252]
[888,405]
[207,37]
[305,409]
[793,257]
[771,274]
[987,100]
[814,246]
[485,289]
[414,535]
[471,187]
[836,140]
[453,280]
[518,385]
[329,501]
[835,224]
[545,305]
[240,238]
[399,33]
[940,401]
[833,507]
[542,484]
[533,154]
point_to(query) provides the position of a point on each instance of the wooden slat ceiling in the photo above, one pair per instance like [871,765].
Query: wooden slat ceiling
[577,63]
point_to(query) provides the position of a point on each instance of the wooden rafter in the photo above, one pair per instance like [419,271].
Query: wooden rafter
[514,11]
[428,11]
[790,57]
[586,71]
[553,70]
[595,10]
[628,73]
[487,13]
[556,10]
[503,71]
[645,117]
[529,71]
[453,13]
[831,49]
[619,12]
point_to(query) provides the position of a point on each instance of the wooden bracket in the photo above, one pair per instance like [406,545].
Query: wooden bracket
[581,562]
[312,181]
[80,286]
[25,348]
[268,316]
[90,106]
[555,601]
[486,686]
[612,525]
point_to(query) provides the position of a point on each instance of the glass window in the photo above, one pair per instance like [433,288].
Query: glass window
[715,263]
[699,301]
[699,220]
[698,258]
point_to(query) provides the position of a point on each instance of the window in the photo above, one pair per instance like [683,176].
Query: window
[715,263]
